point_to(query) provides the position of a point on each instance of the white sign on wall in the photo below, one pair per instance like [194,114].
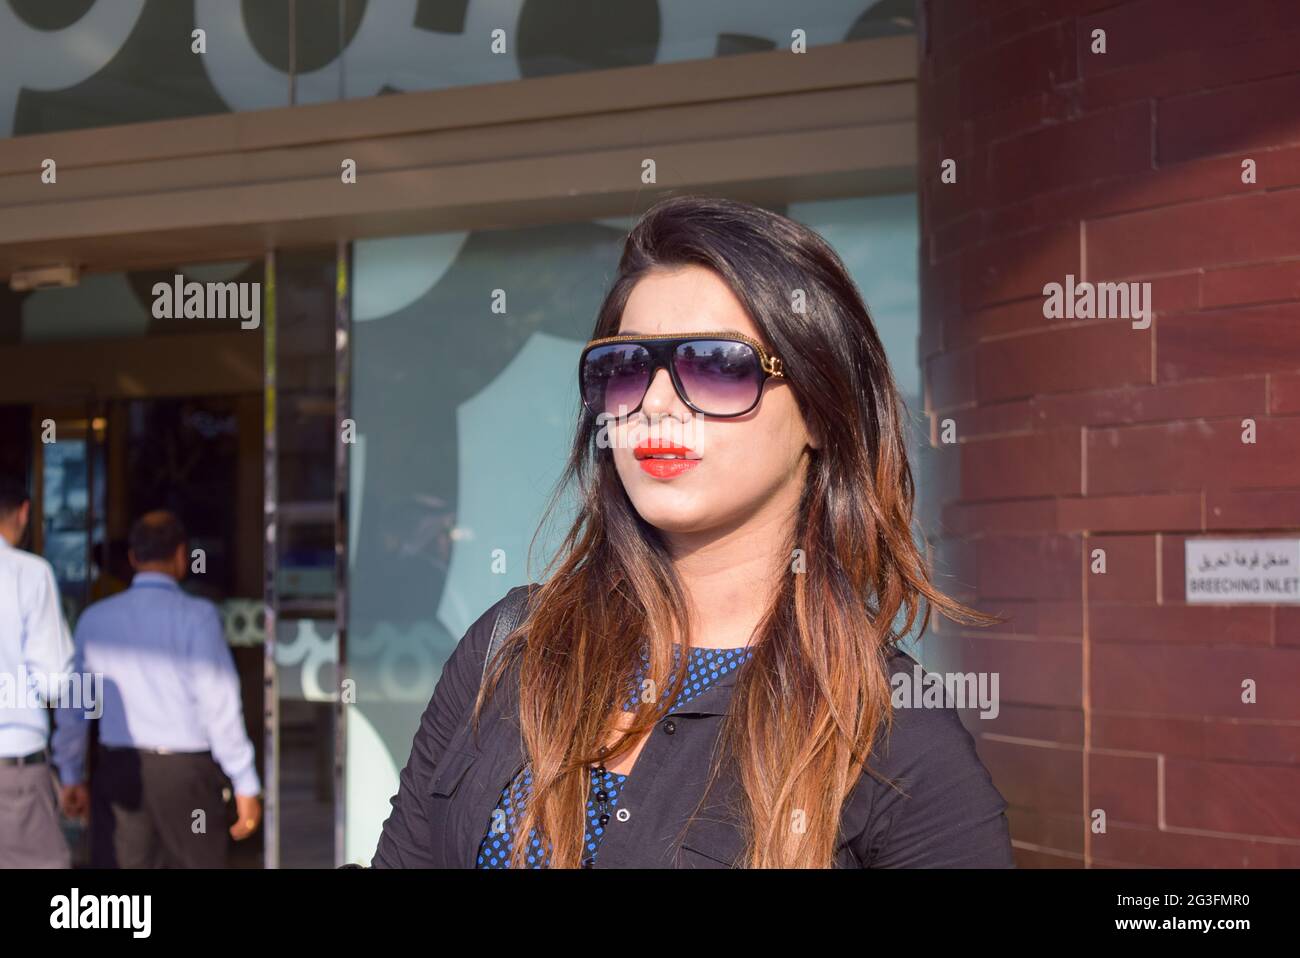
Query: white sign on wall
[1243,570]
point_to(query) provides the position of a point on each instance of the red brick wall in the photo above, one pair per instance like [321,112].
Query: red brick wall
[1082,434]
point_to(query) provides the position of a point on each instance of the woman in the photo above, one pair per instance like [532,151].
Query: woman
[746,497]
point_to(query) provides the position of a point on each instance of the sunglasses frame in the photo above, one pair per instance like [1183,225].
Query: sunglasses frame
[662,347]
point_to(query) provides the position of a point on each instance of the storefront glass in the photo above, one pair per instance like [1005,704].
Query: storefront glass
[74,64]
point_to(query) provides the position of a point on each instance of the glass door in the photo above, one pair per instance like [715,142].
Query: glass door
[69,479]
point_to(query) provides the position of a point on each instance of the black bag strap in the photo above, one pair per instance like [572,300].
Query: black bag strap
[508,618]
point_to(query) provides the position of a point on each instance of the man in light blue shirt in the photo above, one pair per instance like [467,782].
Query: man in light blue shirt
[172,724]
[35,656]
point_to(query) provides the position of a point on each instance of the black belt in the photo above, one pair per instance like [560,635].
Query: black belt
[36,758]
[149,751]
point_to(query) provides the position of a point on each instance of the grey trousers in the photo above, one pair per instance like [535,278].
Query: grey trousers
[30,835]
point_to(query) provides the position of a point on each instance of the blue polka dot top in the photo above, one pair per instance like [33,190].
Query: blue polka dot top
[705,666]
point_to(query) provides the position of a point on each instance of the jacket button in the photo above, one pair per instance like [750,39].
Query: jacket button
[670,727]
[589,863]
[622,814]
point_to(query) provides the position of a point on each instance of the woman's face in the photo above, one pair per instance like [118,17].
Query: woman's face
[748,465]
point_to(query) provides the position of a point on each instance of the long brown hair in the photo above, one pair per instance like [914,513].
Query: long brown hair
[809,704]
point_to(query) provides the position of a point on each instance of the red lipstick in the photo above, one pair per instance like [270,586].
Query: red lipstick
[665,460]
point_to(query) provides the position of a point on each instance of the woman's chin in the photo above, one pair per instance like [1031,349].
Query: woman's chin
[682,515]
[674,514]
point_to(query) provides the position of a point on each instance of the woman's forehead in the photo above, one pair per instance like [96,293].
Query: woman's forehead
[684,301]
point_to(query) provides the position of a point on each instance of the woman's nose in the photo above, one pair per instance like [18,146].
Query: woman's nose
[661,398]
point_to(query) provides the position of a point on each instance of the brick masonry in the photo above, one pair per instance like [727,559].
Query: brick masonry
[1082,434]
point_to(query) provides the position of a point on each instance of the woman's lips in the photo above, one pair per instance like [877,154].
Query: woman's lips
[667,468]
[683,459]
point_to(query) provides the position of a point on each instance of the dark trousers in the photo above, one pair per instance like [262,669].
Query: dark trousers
[157,811]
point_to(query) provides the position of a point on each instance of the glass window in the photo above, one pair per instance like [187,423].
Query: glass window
[452,44]
[74,64]
[116,305]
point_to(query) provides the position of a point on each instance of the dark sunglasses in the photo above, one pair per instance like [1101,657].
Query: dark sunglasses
[716,373]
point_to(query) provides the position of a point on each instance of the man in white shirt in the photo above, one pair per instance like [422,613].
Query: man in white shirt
[35,652]
[172,727]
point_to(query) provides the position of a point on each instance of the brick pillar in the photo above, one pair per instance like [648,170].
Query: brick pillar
[1074,435]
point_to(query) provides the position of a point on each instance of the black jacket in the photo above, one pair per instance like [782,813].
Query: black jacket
[951,817]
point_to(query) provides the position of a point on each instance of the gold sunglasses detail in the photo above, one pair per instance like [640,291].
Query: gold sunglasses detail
[770,362]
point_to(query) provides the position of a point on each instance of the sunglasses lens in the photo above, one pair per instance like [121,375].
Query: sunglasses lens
[615,377]
[720,377]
